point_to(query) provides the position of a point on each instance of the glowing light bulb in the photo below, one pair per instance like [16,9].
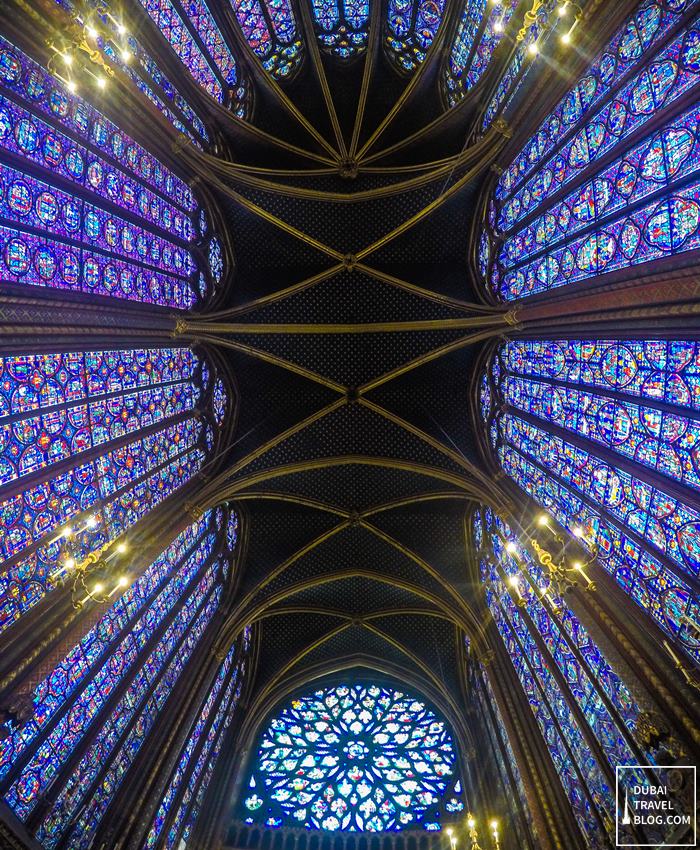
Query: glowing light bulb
[566,38]
[70,563]
[91,32]
[511,547]
[513,581]
[450,832]
[471,823]
[542,519]
[67,58]
[72,88]
[101,82]
[494,825]
[121,548]
[498,26]
[121,29]
[91,522]
[123,581]
[533,49]
[98,588]
[126,57]
[577,565]
[577,531]
[561,10]
[67,532]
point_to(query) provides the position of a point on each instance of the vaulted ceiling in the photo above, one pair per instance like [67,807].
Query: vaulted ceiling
[355,334]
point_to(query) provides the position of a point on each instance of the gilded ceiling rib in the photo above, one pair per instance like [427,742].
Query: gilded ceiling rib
[242,616]
[496,142]
[428,294]
[232,488]
[435,49]
[434,354]
[417,660]
[208,165]
[199,327]
[434,573]
[418,135]
[370,54]
[185,144]
[431,496]
[280,686]
[268,358]
[278,295]
[264,80]
[438,445]
[312,46]
[284,435]
[277,496]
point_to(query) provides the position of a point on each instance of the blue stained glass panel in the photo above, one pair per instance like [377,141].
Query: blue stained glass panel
[122,631]
[365,758]
[144,689]
[341,27]
[630,46]
[270,28]
[82,835]
[411,28]
[188,752]
[473,47]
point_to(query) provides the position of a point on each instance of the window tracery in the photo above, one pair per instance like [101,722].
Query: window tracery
[600,433]
[640,205]
[354,758]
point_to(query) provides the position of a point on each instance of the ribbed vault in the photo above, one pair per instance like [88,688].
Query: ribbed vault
[354,333]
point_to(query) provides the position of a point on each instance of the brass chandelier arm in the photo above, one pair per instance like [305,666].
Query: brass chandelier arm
[316,61]
[367,71]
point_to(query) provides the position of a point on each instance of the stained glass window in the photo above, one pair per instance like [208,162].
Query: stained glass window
[643,205]
[122,48]
[216,260]
[213,67]
[503,751]
[270,28]
[354,757]
[156,592]
[479,32]
[125,429]
[198,749]
[411,27]
[72,239]
[560,665]
[341,25]
[534,36]
[601,434]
